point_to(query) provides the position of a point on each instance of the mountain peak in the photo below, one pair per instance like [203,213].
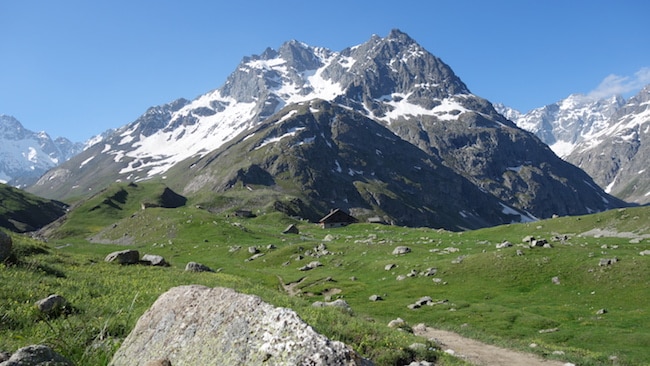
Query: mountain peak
[397,35]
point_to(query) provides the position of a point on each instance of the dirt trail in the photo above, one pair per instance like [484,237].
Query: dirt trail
[479,353]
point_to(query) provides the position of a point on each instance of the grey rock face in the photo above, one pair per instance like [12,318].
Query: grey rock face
[197,325]
[36,355]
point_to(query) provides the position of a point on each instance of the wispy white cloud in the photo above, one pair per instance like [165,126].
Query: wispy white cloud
[617,84]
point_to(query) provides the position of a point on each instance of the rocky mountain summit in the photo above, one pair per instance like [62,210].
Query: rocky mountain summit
[360,129]
[25,155]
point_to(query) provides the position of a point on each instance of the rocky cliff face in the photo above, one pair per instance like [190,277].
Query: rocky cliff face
[196,325]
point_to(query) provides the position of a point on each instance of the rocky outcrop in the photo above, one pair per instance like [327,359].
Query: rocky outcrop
[197,325]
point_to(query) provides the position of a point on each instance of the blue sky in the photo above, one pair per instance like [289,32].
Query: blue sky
[75,68]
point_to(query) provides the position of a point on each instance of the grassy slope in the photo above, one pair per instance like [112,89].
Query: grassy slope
[492,294]
[21,211]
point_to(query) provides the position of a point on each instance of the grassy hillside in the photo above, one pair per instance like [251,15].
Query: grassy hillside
[480,291]
[21,211]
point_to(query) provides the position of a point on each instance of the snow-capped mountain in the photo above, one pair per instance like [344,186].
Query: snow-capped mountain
[567,123]
[617,155]
[392,82]
[25,155]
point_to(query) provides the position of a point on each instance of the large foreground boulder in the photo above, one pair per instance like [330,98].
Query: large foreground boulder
[197,325]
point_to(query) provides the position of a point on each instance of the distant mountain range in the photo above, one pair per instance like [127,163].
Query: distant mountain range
[25,155]
[382,129]
[608,138]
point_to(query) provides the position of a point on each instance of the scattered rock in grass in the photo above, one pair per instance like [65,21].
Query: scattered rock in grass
[601,312]
[388,267]
[459,259]
[244,331]
[329,237]
[310,266]
[413,273]
[550,330]
[429,272]
[271,247]
[607,261]
[5,246]
[154,260]
[401,278]
[234,248]
[556,280]
[421,363]
[254,257]
[399,323]
[418,346]
[291,229]
[401,250]
[520,252]
[645,252]
[560,238]
[37,355]
[375,298]
[128,256]
[51,304]
[505,244]
[528,238]
[197,267]
[319,251]
[538,243]
[338,303]
[253,250]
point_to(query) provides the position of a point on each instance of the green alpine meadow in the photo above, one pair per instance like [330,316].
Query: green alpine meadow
[571,288]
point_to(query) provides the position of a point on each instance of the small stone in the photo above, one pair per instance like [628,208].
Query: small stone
[601,312]
[388,267]
[51,304]
[375,298]
[401,250]
[197,267]
[556,280]
[155,260]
